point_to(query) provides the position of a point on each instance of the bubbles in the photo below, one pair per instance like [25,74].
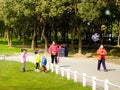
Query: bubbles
[107,12]
[88,23]
[95,37]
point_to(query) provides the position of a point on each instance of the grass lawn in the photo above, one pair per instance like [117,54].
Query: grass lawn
[6,50]
[12,79]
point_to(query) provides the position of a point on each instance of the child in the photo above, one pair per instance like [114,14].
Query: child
[23,59]
[37,59]
[43,63]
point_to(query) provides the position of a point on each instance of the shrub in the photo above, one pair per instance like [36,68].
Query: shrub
[115,52]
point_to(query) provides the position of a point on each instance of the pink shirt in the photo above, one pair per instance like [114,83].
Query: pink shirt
[53,48]
[23,57]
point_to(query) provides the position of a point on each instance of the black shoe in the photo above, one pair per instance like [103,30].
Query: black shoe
[105,70]
[98,69]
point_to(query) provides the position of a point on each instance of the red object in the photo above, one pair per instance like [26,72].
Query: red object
[44,68]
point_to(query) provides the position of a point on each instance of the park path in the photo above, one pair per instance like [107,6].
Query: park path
[82,65]
[89,66]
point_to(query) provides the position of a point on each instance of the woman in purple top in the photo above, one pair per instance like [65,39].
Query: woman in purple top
[53,50]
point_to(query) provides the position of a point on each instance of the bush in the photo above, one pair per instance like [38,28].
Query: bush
[115,52]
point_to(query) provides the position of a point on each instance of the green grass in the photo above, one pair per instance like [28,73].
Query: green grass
[6,50]
[12,79]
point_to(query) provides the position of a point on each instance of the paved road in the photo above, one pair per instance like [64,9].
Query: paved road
[84,65]
[88,66]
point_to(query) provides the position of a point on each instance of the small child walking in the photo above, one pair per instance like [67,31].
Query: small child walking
[38,60]
[43,63]
[23,59]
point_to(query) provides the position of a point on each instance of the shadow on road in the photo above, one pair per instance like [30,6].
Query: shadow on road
[65,66]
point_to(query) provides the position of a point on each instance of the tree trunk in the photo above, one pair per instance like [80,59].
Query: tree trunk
[6,34]
[72,41]
[34,38]
[75,25]
[24,32]
[54,32]
[79,42]
[19,36]
[45,38]
[9,37]
[67,38]
[118,34]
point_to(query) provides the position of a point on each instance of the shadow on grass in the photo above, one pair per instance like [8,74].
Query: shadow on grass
[29,70]
[48,71]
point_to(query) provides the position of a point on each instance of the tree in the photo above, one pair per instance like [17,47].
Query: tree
[88,11]
[8,16]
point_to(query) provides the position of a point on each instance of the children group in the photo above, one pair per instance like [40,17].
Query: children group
[55,57]
[39,60]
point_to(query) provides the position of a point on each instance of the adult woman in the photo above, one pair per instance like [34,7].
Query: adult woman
[54,51]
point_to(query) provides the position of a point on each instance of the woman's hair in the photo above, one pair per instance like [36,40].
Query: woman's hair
[36,51]
[23,50]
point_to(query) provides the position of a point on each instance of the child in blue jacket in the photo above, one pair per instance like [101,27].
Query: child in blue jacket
[43,63]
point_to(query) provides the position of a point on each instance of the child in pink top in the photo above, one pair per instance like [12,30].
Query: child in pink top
[53,50]
[23,59]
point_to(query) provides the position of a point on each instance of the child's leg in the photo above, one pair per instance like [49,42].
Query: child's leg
[23,67]
[37,65]
[44,68]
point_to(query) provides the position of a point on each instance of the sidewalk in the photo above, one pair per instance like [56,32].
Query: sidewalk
[82,65]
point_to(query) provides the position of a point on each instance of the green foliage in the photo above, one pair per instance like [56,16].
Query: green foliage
[11,79]
[115,52]
[7,12]
[90,9]
[115,29]
[64,16]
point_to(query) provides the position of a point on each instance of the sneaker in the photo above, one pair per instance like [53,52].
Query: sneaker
[98,69]
[105,70]
[37,70]
[23,71]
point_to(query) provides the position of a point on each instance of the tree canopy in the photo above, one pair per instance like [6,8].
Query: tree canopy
[56,19]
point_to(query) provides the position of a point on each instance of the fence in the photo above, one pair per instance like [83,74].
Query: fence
[83,78]
[2,57]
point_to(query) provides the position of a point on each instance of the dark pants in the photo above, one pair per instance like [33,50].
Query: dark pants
[37,65]
[54,59]
[103,64]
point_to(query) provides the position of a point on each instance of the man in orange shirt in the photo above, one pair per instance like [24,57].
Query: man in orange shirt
[101,53]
